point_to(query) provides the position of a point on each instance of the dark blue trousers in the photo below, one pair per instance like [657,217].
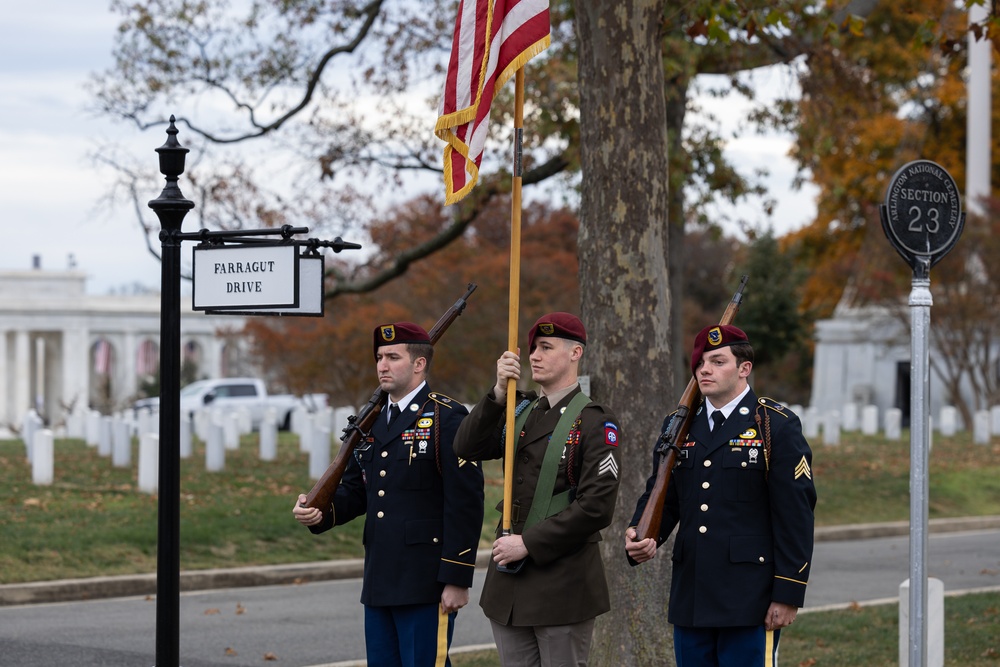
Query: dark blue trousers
[726,647]
[415,635]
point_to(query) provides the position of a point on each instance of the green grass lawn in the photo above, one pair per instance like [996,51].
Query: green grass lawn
[93,520]
[866,637]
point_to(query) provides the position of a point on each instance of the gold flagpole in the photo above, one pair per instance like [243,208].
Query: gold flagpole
[515,276]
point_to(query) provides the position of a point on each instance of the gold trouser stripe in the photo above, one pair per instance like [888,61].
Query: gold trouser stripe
[769,648]
[442,649]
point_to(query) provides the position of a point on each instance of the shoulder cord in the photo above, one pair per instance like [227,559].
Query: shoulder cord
[437,436]
[572,444]
[357,459]
[766,432]
[518,409]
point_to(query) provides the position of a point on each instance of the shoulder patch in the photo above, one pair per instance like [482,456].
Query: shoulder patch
[773,405]
[611,434]
[446,401]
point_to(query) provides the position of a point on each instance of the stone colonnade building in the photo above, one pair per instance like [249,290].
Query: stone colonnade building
[62,349]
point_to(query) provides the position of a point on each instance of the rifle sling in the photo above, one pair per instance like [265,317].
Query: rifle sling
[544,504]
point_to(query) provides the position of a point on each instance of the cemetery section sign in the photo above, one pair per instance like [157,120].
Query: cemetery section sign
[241,277]
[922,214]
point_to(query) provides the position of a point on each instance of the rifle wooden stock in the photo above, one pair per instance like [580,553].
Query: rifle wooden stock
[675,433]
[321,495]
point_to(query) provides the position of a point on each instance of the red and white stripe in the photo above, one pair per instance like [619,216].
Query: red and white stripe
[102,357]
[148,359]
[518,30]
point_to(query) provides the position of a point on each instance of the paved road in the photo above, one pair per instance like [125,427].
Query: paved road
[320,623]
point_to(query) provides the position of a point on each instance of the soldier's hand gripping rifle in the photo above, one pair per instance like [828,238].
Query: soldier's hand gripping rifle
[321,495]
[676,431]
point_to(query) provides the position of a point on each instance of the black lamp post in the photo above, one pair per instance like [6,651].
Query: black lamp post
[170,207]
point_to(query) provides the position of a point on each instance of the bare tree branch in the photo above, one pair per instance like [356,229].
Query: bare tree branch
[466,214]
[370,12]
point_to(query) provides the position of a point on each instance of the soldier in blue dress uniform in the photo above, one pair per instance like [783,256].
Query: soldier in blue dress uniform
[743,496]
[423,509]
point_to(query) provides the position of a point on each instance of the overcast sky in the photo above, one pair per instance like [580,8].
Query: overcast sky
[50,189]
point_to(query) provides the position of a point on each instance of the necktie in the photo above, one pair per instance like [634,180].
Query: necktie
[717,420]
[536,413]
[393,412]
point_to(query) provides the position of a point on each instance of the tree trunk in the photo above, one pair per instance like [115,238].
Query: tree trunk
[625,290]
[676,101]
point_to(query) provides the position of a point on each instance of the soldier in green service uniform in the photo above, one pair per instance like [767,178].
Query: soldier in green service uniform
[565,484]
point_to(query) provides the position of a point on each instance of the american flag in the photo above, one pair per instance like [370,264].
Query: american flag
[148,359]
[102,357]
[517,30]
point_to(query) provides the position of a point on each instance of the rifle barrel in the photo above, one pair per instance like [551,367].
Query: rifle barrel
[652,513]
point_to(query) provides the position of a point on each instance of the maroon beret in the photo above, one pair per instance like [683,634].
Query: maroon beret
[714,337]
[557,325]
[399,333]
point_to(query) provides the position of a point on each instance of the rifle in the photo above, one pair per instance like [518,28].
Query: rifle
[674,433]
[360,425]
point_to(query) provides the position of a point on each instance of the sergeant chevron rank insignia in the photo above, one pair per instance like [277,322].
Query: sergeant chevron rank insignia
[803,469]
[608,464]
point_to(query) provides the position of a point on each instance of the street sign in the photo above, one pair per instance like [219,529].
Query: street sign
[311,293]
[241,277]
[922,214]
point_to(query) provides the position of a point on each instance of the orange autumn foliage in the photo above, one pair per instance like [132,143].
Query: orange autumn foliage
[333,354]
[871,103]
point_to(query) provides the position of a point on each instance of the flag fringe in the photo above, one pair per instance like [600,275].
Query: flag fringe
[468,114]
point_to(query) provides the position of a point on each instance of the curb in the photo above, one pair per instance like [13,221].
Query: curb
[96,588]
[864,531]
[131,585]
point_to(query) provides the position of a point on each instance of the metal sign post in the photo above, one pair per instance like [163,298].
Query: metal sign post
[171,207]
[923,219]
